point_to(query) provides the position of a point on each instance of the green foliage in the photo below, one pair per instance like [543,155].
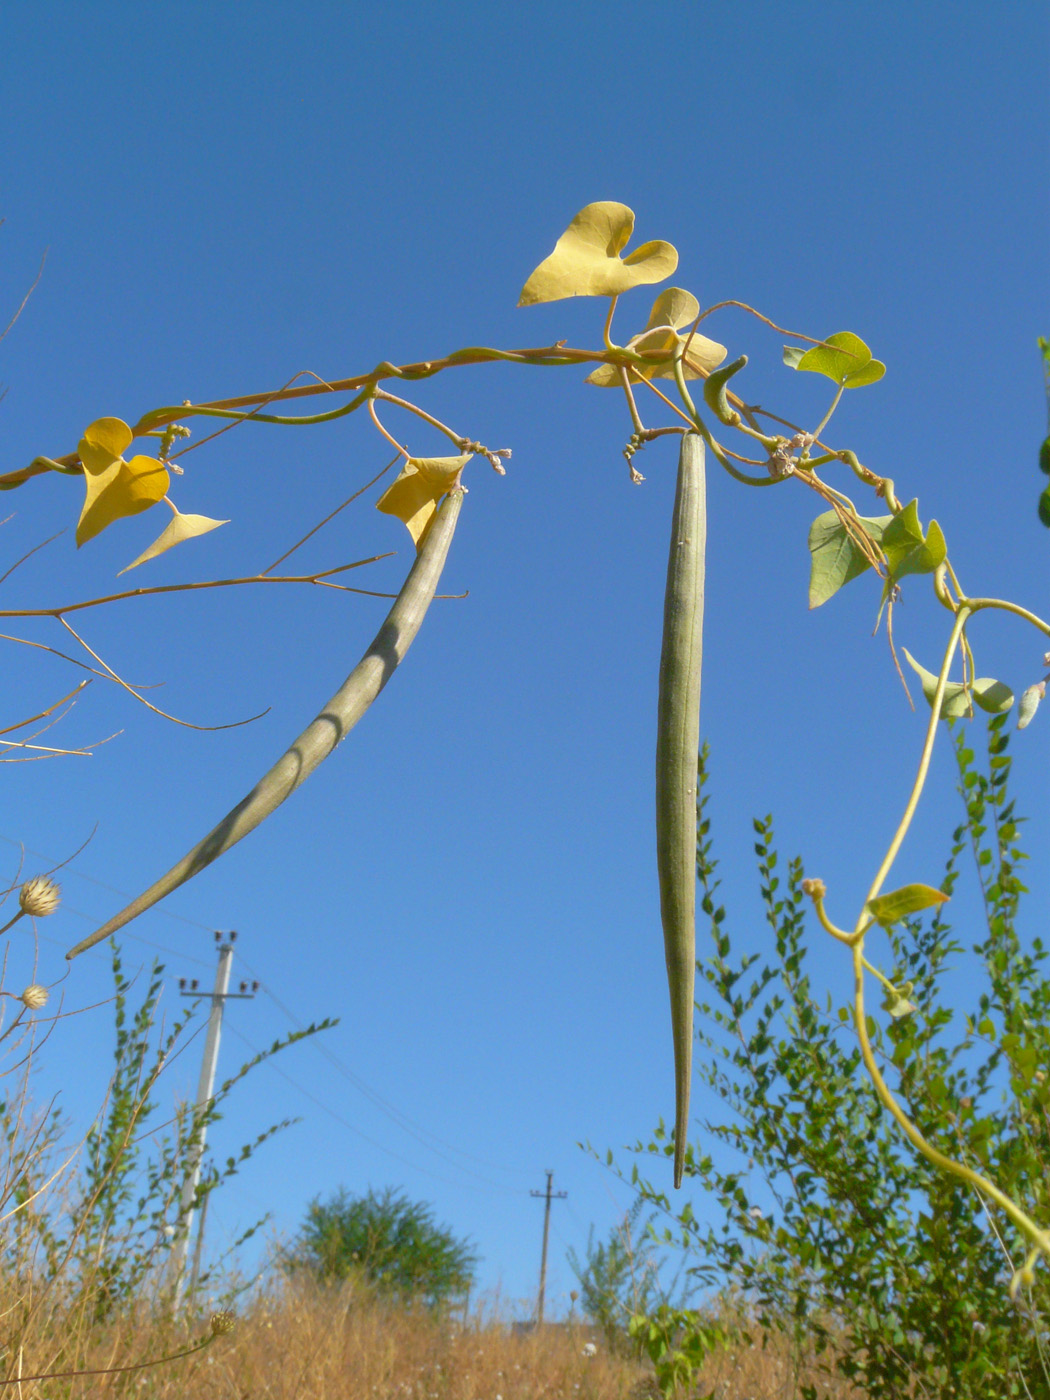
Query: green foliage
[386,1241]
[678,1342]
[836,555]
[620,1278]
[843,357]
[957,701]
[836,1231]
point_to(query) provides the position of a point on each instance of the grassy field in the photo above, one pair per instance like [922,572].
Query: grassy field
[301,1343]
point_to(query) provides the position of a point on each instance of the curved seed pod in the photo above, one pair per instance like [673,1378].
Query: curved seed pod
[677,743]
[318,740]
[715,392]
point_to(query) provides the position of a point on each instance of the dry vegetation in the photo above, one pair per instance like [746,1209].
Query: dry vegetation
[302,1343]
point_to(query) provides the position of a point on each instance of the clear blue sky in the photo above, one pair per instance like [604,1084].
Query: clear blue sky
[230,195]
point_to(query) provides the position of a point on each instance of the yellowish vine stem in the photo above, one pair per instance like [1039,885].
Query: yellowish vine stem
[924,764]
[1040,1239]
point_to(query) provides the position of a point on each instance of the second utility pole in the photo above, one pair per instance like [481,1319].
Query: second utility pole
[205,1092]
[548,1196]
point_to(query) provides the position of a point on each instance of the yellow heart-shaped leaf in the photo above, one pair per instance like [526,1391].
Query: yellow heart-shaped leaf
[413,497]
[586,260]
[672,309]
[180,527]
[103,442]
[118,490]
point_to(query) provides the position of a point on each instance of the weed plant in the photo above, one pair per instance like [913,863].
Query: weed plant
[895,1274]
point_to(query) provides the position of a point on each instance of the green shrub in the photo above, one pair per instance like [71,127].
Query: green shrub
[835,1230]
[391,1244]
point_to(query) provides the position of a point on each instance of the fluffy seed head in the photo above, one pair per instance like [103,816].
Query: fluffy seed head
[34,996]
[39,896]
[222,1322]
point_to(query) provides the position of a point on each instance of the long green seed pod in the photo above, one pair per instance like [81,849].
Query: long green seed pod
[677,744]
[318,740]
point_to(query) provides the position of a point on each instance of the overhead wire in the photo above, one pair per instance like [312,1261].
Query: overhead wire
[424,1136]
[408,1125]
[353,1128]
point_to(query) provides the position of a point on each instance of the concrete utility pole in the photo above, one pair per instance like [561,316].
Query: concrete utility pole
[548,1196]
[205,1092]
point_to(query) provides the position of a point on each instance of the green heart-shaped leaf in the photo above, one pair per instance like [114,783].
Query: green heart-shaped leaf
[836,558]
[843,358]
[992,695]
[586,260]
[908,549]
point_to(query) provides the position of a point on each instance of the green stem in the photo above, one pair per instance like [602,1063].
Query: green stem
[827,417]
[1039,1238]
[979,604]
[705,433]
[924,763]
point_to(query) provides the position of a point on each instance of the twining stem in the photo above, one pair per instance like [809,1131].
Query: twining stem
[924,763]
[383,432]
[1039,1238]
[320,737]
[705,433]
[636,419]
[455,438]
[979,604]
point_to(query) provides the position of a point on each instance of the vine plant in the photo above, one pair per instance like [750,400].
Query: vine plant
[660,361]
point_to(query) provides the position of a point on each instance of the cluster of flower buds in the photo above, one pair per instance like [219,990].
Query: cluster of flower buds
[222,1322]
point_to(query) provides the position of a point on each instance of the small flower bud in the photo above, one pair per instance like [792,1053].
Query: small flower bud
[1029,703]
[34,996]
[39,896]
[816,889]
[222,1322]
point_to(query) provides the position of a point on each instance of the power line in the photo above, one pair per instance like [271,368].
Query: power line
[415,1130]
[351,1127]
[92,879]
[408,1125]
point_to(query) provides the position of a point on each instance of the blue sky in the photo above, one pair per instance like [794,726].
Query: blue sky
[229,196]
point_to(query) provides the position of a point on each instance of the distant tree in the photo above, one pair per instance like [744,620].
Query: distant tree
[391,1243]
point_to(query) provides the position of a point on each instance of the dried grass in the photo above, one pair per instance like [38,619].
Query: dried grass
[303,1343]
